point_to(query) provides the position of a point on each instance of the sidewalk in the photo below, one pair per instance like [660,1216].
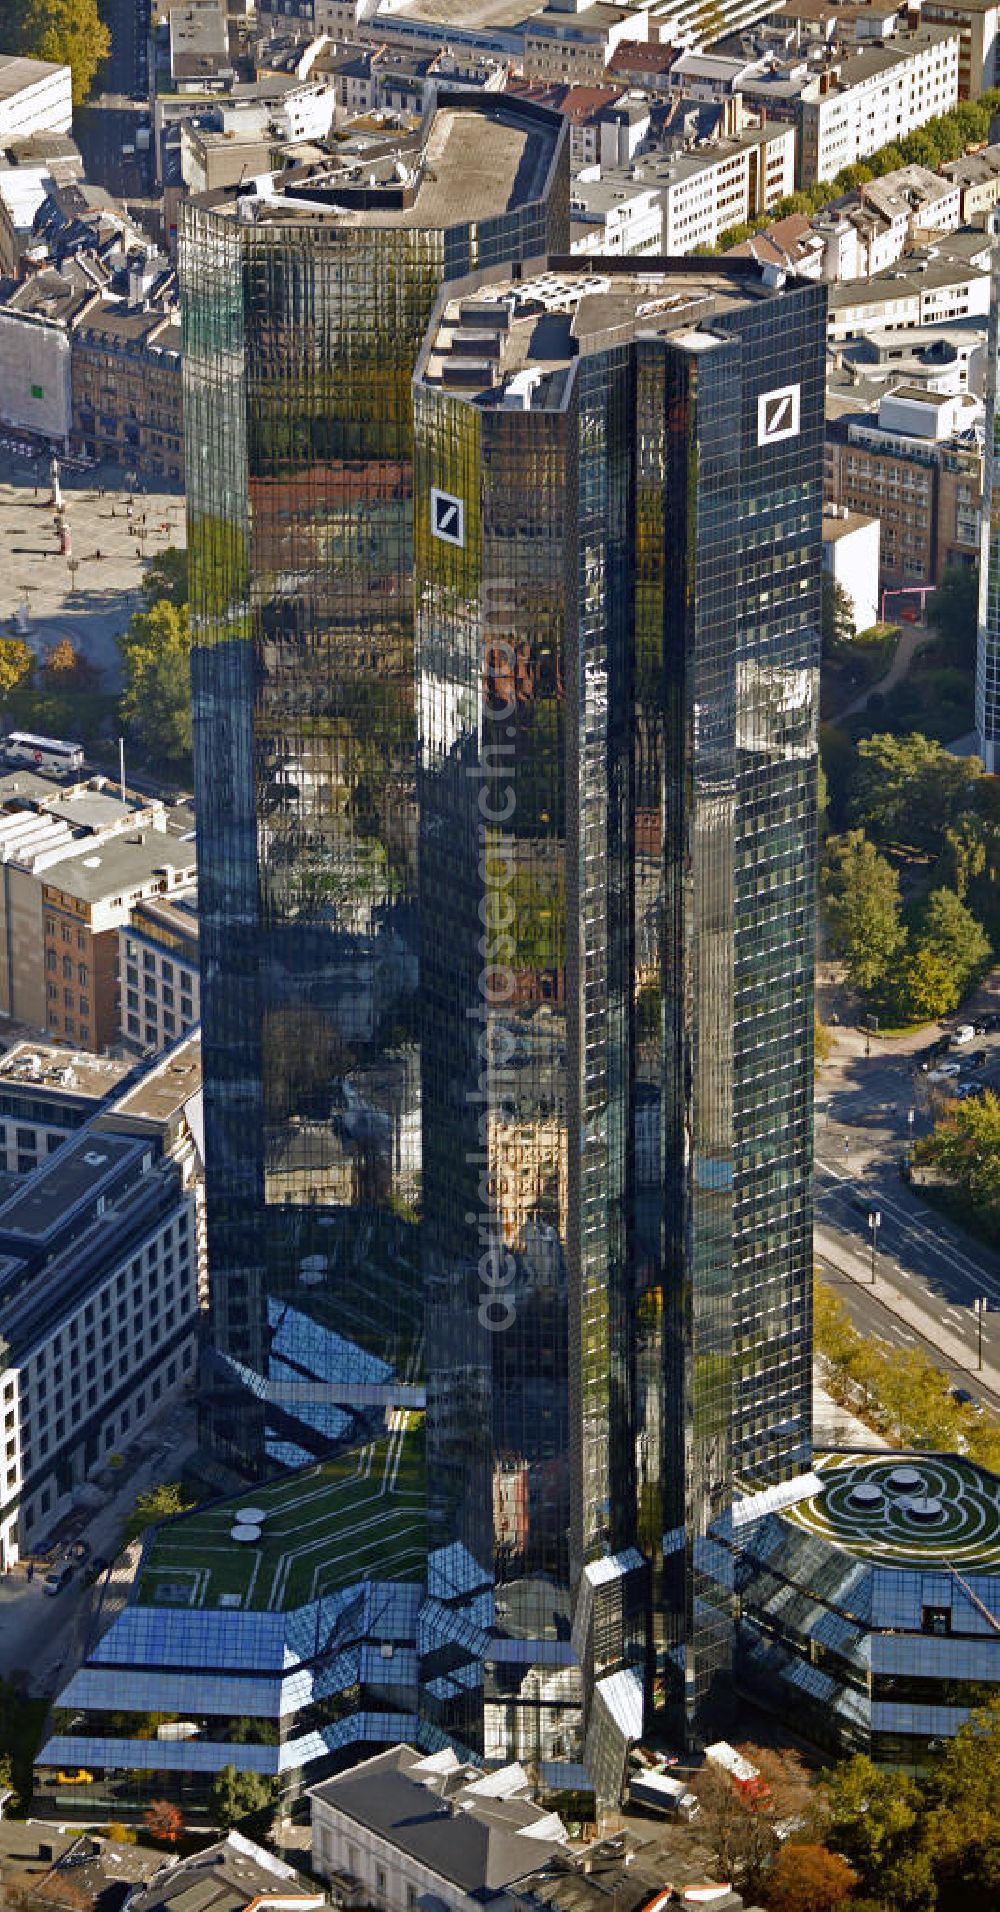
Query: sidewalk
[931,1328]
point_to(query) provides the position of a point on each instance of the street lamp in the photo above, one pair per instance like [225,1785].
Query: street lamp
[874,1223]
[981,1304]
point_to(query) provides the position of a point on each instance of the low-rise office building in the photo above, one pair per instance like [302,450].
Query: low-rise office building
[913,459]
[929,288]
[404,1828]
[74,862]
[101,1276]
[47,1095]
[978,25]
[158,965]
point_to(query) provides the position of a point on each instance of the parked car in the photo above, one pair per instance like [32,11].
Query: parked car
[57,1578]
[979,1059]
[965,1399]
[966,1032]
[945,1072]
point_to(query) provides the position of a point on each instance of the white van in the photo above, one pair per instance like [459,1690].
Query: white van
[963,1034]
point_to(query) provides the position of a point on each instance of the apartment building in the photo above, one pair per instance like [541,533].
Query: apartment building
[914,462]
[101,1271]
[158,964]
[582,106]
[977,176]
[75,862]
[126,385]
[614,217]
[875,97]
[705,192]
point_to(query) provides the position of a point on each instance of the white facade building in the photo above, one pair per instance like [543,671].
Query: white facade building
[36,96]
[704,193]
[851,559]
[874,98]
[613,216]
[410,1831]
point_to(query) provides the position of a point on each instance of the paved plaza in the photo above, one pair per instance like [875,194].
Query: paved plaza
[89,593]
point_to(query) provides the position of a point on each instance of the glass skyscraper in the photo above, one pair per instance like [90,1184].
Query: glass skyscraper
[617,510]
[305,298]
[988,646]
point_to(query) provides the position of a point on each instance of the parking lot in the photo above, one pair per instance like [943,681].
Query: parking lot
[963,1062]
[88,592]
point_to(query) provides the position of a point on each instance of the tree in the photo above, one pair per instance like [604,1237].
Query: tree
[808,1878]
[65,669]
[157,1503]
[71,32]
[236,1796]
[156,665]
[951,932]
[965,1144]
[963,856]
[167,577]
[911,790]
[875,1824]
[16,662]
[962,1831]
[954,612]
[861,891]
[924,987]
[836,614]
[164,1820]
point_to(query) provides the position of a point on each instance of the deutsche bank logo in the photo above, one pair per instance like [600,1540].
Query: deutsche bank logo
[447,517]
[778,415]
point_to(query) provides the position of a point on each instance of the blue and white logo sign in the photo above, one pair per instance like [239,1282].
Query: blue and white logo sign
[447,517]
[778,415]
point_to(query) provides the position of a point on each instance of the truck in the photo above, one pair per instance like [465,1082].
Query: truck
[657,1792]
[746,1777]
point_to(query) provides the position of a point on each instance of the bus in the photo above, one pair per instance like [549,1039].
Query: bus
[43,753]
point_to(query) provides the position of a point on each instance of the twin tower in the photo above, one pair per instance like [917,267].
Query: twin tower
[505,579]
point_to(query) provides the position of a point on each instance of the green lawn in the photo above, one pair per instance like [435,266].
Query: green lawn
[358,1517]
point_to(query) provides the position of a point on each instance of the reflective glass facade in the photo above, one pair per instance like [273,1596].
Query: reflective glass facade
[303,311]
[617,655]
[988,647]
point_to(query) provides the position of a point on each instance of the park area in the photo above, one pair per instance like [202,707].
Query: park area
[357,1517]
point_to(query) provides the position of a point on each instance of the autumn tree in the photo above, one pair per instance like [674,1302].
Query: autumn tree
[164,1820]
[807,1878]
[66,669]
[965,1144]
[156,667]
[157,1503]
[924,987]
[16,662]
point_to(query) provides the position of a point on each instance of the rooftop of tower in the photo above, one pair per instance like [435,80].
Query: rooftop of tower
[474,159]
[508,339]
[899,1510]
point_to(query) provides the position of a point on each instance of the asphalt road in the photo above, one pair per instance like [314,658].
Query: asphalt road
[928,1272]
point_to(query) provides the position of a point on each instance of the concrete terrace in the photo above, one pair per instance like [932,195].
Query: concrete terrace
[360,1517]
